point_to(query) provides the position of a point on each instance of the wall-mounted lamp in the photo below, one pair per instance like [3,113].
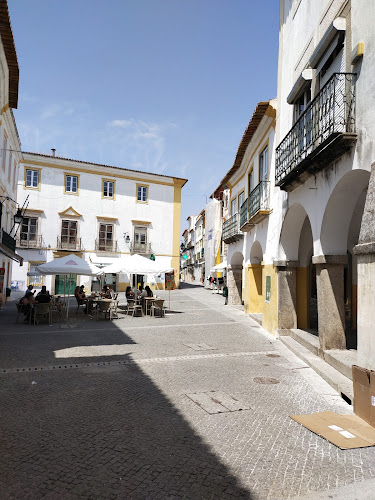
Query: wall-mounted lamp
[19,215]
[127,238]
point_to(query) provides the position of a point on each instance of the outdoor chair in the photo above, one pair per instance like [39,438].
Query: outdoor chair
[59,310]
[133,307]
[113,309]
[80,302]
[158,304]
[105,308]
[41,311]
[19,310]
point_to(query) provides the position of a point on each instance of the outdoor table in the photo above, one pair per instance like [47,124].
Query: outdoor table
[148,303]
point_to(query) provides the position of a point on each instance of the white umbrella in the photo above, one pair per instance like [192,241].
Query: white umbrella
[137,264]
[70,264]
[219,267]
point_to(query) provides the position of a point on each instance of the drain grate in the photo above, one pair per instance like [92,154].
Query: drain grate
[266,380]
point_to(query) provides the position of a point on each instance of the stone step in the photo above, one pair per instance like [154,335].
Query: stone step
[342,361]
[308,340]
[342,384]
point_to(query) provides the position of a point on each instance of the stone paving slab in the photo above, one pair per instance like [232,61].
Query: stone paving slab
[128,429]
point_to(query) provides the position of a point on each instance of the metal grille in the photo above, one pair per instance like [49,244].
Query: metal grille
[230,227]
[330,112]
[259,199]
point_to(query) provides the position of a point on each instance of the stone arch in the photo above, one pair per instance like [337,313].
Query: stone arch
[290,232]
[256,253]
[236,259]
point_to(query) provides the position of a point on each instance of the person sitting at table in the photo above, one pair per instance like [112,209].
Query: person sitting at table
[43,296]
[106,293]
[82,287]
[149,291]
[129,294]
[26,302]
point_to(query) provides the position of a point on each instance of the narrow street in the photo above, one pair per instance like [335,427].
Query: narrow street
[135,408]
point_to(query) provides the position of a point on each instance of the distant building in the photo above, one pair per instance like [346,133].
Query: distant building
[98,212]
[199,267]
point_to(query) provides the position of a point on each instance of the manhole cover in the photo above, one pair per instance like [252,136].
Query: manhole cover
[266,380]
[273,355]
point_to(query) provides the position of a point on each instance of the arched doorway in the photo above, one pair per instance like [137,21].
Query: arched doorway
[234,277]
[295,272]
[253,281]
[337,266]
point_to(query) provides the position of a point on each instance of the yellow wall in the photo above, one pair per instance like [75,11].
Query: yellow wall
[302,298]
[269,312]
[121,287]
[253,299]
[175,263]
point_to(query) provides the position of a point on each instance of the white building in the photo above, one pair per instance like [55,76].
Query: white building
[199,268]
[9,150]
[324,168]
[99,212]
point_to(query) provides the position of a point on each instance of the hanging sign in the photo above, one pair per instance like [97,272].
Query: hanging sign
[169,281]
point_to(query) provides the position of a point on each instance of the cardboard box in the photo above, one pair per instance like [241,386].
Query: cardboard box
[345,431]
[364,394]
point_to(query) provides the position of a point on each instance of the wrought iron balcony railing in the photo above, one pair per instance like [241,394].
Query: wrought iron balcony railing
[257,204]
[106,245]
[329,115]
[30,241]
[8,241]
[141,248]
[231,229]
[67,243]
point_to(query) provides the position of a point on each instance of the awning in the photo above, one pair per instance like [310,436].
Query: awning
[9,253]
[219,267]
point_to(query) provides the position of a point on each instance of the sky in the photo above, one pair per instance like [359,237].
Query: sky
[162,86]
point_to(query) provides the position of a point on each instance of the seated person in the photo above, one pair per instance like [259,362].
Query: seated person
[129,294]
[106,293]
[78,295]
[43,296]
[82,287]
[26,302]
[149,291]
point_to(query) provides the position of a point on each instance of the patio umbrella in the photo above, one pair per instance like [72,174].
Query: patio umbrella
[137,264]
[68,265]
[219,267]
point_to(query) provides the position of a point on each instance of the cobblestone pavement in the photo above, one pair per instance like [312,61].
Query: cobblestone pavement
[148,408]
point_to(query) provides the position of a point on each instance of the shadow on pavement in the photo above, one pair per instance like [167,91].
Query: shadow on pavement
[101,432]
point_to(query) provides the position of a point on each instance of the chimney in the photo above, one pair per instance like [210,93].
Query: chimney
[53,151]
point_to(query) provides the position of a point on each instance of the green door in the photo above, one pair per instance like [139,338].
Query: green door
[71,283]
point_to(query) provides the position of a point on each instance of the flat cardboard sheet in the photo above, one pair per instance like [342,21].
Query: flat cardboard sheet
[345,431]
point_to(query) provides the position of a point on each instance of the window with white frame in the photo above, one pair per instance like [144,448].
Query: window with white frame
[69,233]
[241,199]
[108,189]
[106,237]
[142,194]
[29,231]
[233,207]
[32,178]
[71,183]
[140,237]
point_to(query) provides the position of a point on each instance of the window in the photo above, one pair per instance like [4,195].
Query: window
[29,231]
[36,279]
[302,102]
[71,183]
[140,237]
[233,207]
[15,175]
[32,178]
[108,189]
[10,165]
[263,165]
[106,237]
[142,194]
[241,199]
[251,180]
[69,234]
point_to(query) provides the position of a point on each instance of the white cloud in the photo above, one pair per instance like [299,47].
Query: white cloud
[120,123]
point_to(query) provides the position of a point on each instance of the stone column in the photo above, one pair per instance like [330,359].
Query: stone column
[287,293]
[365,252]
[331,307]
[234,284]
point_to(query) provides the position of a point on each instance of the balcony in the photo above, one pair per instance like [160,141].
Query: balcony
[321,135]
[30,241]
[231,230]
[257,206]
[108,246]
[141,248]
[8,241]
[66,243]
